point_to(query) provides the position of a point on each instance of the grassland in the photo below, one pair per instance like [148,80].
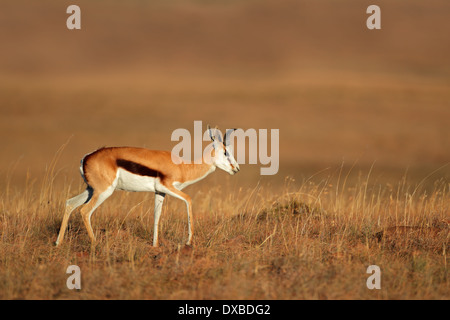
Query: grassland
[305,241]
[364,148]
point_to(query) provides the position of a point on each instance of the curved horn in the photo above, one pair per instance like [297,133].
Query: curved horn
[226,136]
[210,133]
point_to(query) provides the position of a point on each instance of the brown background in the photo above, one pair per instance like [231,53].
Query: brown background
[339,93]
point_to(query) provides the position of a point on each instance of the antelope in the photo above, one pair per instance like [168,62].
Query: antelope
[138,169]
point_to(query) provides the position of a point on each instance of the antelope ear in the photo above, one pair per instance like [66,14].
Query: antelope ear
[226,136]
[214,135]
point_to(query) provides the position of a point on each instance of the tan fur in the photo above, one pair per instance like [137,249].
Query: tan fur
[100,171]
[142,170]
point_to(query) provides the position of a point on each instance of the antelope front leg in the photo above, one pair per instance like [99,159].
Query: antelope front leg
[172,191]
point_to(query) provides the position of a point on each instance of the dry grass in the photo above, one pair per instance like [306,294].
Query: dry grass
[310,240]
[363,119]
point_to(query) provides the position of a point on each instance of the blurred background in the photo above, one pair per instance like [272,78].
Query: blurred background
[340,94]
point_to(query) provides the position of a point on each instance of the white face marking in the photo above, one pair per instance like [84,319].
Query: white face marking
[223,155]
[224,158]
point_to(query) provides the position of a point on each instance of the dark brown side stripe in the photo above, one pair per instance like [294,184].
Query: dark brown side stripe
[137,168]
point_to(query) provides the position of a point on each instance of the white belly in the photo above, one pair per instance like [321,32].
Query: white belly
[132,182]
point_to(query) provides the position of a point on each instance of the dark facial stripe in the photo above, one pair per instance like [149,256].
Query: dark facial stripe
[137,168]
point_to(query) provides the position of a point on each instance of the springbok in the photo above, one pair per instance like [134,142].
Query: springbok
[139,169]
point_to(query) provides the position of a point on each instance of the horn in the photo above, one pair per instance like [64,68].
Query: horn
[210,134]
[226,136]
